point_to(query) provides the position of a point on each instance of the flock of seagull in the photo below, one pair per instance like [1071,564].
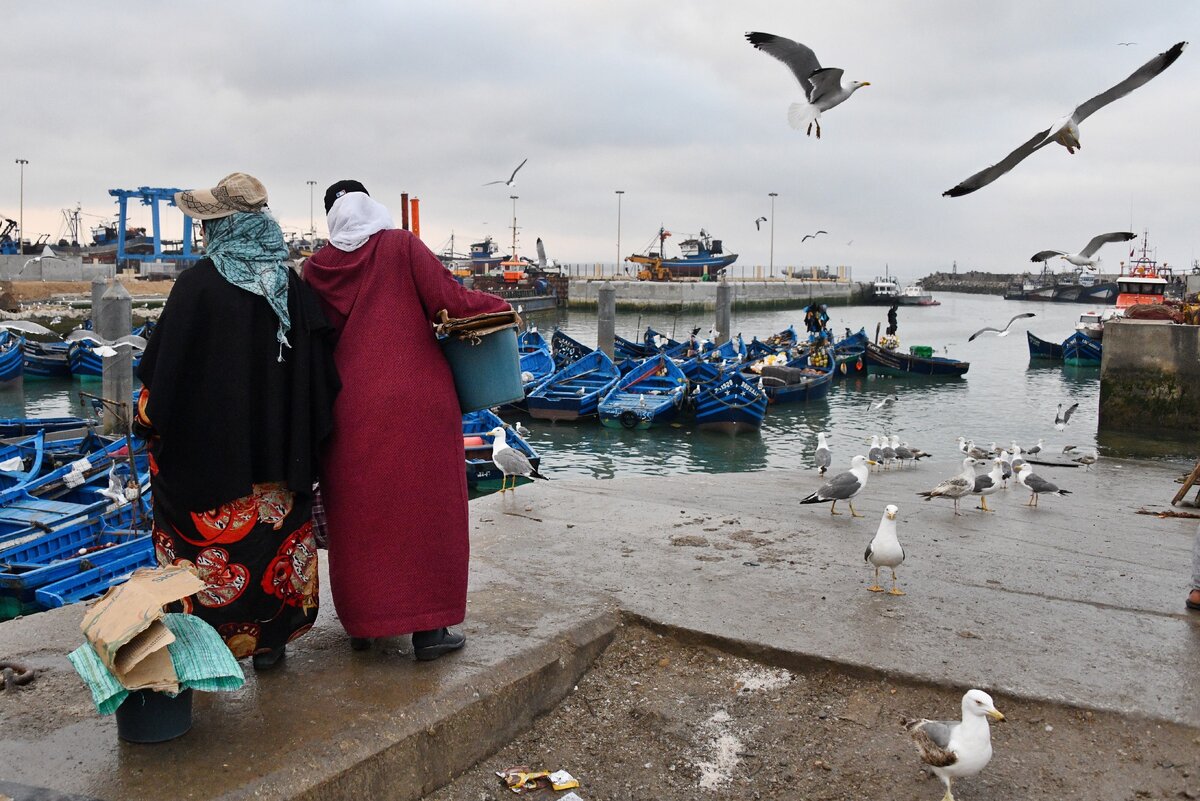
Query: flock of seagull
[951,749]
[825,87]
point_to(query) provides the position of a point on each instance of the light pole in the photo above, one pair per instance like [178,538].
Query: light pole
[312,226]
[773,195]
[21,215]
[513,198]
[617,268]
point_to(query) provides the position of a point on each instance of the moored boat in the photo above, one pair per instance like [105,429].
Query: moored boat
[917,295]
[798,382]
[848,355]
[649,395]
[566,349]
[700,257]
[894,363]
[1081,350]
[12,357]
[724,400]
[574,391]
[1042,350]
[482,473]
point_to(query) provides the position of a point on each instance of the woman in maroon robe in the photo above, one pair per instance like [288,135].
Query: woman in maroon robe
[392,479]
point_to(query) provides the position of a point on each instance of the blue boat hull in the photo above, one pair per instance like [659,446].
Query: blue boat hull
[810,389]
[575,391]
[726,401]
[649,395]
[46,360]
[12,358]
[1081,350]
[1042,350]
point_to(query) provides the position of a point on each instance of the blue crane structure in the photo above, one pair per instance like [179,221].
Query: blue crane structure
[151,196]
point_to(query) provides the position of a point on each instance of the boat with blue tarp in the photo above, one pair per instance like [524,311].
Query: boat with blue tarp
[574,391]
[650,394]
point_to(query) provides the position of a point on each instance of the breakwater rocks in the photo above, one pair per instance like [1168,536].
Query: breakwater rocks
[973,281]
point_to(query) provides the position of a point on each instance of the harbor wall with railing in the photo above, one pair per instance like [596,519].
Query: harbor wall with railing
[1150,376]
[702,295]
[31,267]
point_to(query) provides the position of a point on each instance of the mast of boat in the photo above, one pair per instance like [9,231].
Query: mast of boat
[513,198]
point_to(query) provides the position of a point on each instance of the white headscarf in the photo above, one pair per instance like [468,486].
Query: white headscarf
[353,218]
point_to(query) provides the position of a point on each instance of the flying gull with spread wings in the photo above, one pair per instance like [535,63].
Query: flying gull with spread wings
[1000,332]
[1066,131]
[511,178]
[823,86]
[1084,257]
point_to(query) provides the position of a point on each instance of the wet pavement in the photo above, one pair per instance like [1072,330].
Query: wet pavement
[1078,602]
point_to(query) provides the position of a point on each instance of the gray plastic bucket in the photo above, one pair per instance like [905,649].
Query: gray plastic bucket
[147,716]
[487,373]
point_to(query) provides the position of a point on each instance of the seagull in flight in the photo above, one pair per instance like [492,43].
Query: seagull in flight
[1084,257]
[1000,332]
[1125,44]
[757,227]
[823,86]
[812,236]
[1062,418]
[509,182]
[1066,131]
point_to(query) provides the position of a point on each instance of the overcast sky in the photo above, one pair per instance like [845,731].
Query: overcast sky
[666,101]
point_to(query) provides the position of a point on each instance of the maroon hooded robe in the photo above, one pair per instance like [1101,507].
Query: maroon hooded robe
[393,478]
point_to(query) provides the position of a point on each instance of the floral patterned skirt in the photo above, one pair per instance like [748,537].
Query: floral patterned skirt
[258,556]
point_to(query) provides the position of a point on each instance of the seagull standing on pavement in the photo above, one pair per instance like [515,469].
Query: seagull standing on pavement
[956,487]
[843,486]
[1036,485]
[989,484]
[822,456]
[885,550]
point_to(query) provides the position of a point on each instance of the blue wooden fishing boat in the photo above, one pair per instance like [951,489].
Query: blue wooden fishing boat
[94,582]
[724,400]
[12,357]
[70,550]
[1042,350]
[482,473]
[1081,350]
[24,426]
[21,462]
[848,355]
[46,360]
[85,363]
[628,349]
[574,391]
[733,350]
[530,340]
[536,367]
[894,363]
[657,342]
[566,350]
[786,338]
[649,395]
[797,382]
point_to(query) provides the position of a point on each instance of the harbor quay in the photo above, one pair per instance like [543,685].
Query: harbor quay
[781,293]
[1077,604]
[1150,377]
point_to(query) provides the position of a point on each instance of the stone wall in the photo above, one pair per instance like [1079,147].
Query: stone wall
[51,268]
[702,295]
[1150,376]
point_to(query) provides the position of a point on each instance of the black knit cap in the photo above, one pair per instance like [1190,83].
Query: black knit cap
[340,188]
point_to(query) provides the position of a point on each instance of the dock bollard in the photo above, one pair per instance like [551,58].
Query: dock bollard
[724,314]
[117,385]
[606,326]
[99,287]
[114,317]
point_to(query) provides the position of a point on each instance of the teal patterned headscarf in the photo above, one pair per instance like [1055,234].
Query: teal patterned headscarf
[249,252]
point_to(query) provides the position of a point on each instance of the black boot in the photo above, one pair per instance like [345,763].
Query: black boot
[360,643]
[269,659]
[429,645]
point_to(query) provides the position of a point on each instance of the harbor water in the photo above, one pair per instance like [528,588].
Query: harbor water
[1002,398]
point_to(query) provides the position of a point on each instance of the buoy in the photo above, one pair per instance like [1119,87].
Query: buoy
[473,442]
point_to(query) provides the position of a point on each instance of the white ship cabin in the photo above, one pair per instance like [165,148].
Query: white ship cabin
[886,287]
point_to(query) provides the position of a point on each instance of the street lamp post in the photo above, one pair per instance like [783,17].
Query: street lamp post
[21,215]
[617,268]
[312,226]
[773,195]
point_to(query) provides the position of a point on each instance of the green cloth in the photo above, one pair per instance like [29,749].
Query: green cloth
[249,252]
[201,658]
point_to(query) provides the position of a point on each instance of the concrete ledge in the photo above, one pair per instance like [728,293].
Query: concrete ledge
[1150,376]
[702,295]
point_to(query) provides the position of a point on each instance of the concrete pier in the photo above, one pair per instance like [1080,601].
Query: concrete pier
[702,295]
[1077,603]
[1150,376]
